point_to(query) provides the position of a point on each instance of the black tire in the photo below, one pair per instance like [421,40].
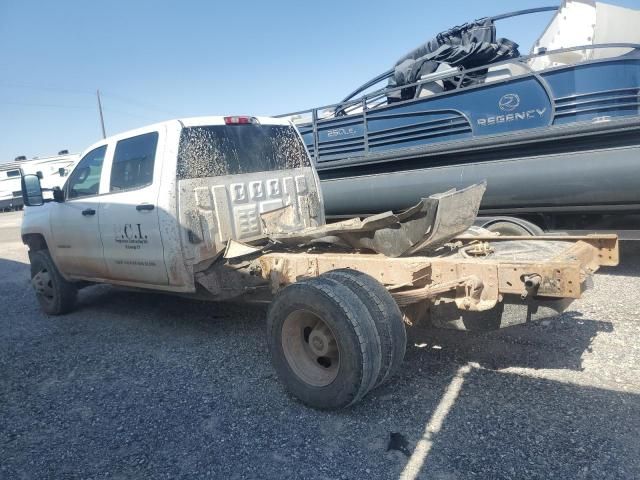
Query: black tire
[60,296]
[352,328]
[385,314]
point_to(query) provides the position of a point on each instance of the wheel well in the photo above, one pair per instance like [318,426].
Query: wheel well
[532,228]
[35,242]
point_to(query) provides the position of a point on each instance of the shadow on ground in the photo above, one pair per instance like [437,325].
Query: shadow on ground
[629,260]
[137,384]
[555,343]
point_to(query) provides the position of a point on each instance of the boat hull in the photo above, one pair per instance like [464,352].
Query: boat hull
[585,167]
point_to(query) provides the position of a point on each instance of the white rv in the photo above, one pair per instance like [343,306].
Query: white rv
[10,186]
[53,172]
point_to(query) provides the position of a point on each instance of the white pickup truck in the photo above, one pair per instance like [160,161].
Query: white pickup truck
[230,208]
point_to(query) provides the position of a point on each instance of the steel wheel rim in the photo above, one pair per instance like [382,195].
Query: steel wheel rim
[43,285]
[310,348]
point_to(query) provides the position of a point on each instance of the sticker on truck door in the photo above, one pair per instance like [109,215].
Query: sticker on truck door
[131,235]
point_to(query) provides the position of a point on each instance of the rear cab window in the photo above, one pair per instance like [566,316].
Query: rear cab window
[133,162]
[215,150]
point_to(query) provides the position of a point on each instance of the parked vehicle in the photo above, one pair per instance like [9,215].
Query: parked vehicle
[222,208]
[555,133]
[10,189]
[52,171]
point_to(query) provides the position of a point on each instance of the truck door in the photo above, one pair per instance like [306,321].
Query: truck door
[77,247]
[129,222]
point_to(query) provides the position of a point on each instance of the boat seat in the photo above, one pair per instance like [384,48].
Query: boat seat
[504,71]
[431,88]
[494,74]
[428,89]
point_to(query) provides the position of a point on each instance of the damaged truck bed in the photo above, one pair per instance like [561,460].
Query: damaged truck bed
[476,274]
[426,257]
[429,224]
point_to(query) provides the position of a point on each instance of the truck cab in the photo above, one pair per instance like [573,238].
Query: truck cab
[151,207]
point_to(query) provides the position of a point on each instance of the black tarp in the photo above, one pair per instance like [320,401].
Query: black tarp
[470,45]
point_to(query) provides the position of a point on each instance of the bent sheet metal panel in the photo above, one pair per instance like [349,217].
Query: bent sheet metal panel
[427,225]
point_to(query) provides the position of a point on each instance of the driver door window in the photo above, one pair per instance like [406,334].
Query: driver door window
[85,179]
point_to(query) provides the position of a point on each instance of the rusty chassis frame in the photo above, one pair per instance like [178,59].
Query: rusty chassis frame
[474,283]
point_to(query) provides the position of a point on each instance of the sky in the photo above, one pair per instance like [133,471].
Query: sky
[157,60]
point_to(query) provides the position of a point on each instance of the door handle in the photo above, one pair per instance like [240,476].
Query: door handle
[88,211]
[144,206]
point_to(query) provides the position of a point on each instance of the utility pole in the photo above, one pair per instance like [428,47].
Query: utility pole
[104,135]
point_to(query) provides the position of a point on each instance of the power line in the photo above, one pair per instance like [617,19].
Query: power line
[45,88]
[108,109]
[131,101]
[110,95]
[47,105]
[83,107]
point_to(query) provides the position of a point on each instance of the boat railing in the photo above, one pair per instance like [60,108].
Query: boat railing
[454,76]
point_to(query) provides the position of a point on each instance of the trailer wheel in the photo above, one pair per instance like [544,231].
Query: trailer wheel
[386,316]
[324,345]
[55,295]
[515,226]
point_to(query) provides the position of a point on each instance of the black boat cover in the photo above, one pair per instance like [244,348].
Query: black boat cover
[470,45]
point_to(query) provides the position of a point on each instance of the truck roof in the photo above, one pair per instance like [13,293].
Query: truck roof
[219,120]
[186,122]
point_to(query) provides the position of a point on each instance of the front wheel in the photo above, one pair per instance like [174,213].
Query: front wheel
[55,295]
[324,344]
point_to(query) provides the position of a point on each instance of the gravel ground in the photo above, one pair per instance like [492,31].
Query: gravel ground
[147,386]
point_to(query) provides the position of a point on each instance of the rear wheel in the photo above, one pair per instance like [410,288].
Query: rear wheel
[55,295]
[324,345]
[385,313]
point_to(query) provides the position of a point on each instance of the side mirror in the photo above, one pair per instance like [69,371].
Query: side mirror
[31,191]
[62,171]
[58,194]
